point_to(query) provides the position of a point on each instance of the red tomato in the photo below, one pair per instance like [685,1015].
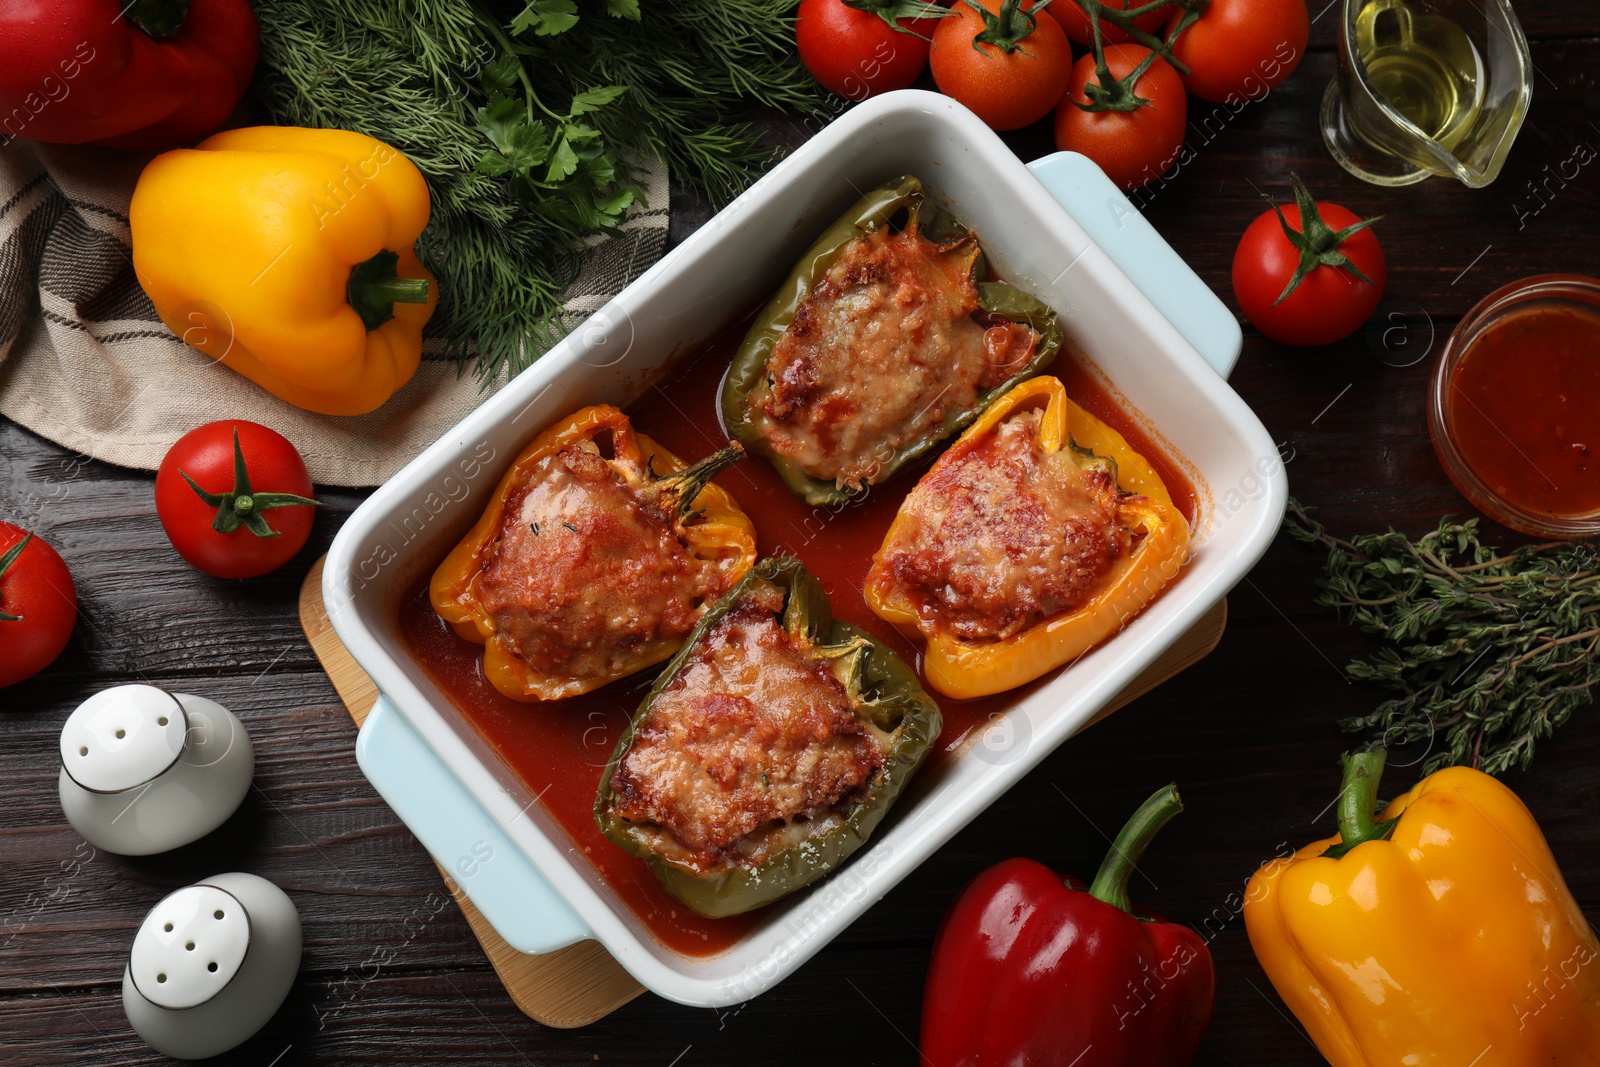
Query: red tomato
[1007,90]
[1133,147]
[1075,21]
[855,53]
[38,605]
[1240,49]
[270,513]
[1330,302]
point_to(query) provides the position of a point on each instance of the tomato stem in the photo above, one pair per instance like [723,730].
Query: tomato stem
[157,18]
[892,11]
[1317,243]
[1112,93]
[242,506]
[5,565]
[1007,28]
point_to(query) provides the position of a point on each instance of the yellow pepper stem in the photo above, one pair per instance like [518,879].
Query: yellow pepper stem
[1358,797]
[687,483]
[1111,881]
[375,288]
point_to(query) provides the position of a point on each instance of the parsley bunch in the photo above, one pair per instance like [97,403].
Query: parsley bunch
[529,120]
[1489,651]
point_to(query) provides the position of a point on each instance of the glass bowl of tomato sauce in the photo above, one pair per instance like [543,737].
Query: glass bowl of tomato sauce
[1515,406]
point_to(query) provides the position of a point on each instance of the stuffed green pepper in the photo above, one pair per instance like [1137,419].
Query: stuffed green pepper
[884,341]
[768,750]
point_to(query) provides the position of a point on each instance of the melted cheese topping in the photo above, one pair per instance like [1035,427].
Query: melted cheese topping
[882,352]
[754,738]
[588,566]
[1000,537]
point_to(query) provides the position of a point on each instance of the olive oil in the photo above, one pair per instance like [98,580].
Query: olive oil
[1424,66]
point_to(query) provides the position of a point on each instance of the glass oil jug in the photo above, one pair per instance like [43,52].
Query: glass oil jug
[1427,87]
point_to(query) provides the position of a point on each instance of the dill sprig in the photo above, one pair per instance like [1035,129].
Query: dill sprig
[529,121]
[1489,651]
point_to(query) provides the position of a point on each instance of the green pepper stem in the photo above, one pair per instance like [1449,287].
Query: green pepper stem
[374,289]
[1111,881]
[1358,796]
[687,483]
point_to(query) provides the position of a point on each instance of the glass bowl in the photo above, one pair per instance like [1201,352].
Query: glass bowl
[1495,311]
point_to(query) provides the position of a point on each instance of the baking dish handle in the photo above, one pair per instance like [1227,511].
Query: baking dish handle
[464,841]
[1113,223]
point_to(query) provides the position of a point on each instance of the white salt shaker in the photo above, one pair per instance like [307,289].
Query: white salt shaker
[144,770]
[211,964]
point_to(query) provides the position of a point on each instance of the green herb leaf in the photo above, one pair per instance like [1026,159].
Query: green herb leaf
[546,18]
[623,9]
[595,99]
[500,74]
[616,205]
[520,143]
[563,161]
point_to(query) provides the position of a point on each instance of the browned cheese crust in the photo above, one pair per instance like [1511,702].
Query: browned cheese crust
[1001,537]
[587,566]
[754,733]
[881,353]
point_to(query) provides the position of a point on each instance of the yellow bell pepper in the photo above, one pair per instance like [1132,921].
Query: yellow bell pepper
[960,668]
[286,254]
[1442,936]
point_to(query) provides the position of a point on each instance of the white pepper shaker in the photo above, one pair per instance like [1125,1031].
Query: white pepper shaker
[144,770]
[211,963]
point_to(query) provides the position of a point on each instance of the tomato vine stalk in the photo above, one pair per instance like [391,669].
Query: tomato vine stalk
[1117,94]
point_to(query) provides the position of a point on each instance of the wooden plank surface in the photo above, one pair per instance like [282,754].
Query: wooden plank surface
[392,973]
[569,987]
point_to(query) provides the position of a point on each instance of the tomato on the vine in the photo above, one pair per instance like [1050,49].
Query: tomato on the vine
[860,48]
[214,491]
[1309,273]
[1239,49]
[38,604]
[1134,146]
[1000,60]
[1075,21]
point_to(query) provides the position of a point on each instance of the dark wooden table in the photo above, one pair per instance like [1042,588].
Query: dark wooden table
[391,972]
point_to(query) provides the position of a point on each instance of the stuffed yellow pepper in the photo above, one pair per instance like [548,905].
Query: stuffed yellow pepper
[287,255]
[598,553]
[1030,541]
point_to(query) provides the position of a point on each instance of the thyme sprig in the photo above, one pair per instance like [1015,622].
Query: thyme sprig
[1489,651]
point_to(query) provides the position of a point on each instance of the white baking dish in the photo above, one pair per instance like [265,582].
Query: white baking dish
[473,812]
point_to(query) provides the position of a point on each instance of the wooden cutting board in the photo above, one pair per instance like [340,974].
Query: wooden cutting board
[577,985]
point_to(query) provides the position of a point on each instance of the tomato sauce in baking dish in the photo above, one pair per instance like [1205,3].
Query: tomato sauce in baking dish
[559,750]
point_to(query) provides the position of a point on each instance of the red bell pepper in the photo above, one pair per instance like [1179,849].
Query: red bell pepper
[152,75]
[1031,970]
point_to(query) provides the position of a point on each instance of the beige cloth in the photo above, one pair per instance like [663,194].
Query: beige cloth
[85,362]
